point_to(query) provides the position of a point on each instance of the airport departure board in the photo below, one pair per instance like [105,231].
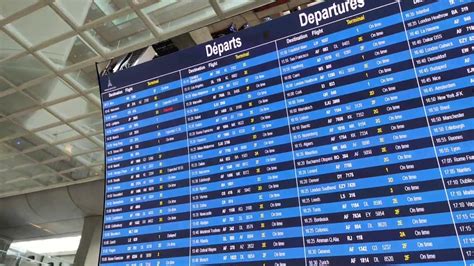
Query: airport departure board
[341,134]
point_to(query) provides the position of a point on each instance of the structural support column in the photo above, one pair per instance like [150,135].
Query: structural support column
[88,251]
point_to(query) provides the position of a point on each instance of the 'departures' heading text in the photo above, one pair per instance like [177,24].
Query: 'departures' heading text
[335,9]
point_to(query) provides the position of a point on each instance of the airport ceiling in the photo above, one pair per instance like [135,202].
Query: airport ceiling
[50,118]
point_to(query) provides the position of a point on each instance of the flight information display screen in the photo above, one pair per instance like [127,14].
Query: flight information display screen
[341,134]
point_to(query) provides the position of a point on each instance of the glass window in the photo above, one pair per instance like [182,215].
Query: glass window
[43,155]
[231,5]
[83,12]
[97,170]
[120,32]
[8,46]
[50,90]
[35,170]
[99,139]
[78,146]
[64,165]
[15,161]
[36,119]
[172,16]
[85,78]
[21,184]
[39,26]
[24,142]
[89,125]
[23,69]
[58,134]
[48,179]
[73,108]
[9,129]
[10,7]
[4,84]
[91,158]
[10,175]
[94,96]
[6,151]
[68,52]
[77,174]
[15,102]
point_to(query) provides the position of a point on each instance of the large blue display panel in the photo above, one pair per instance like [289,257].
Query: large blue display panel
[338,135]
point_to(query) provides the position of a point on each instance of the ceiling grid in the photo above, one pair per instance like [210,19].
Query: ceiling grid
[50,119]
